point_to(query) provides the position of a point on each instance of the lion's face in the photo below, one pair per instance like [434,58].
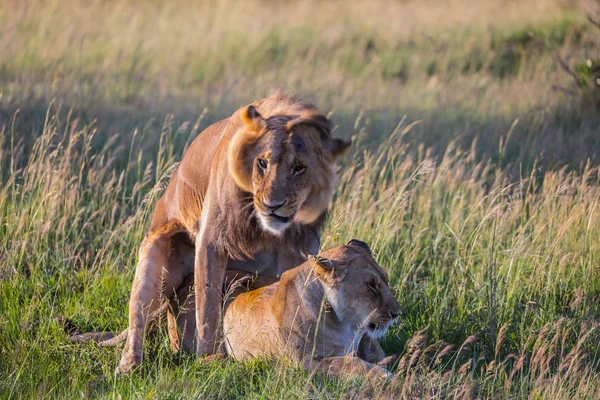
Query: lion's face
[357,288]
[288,164]
[281,179]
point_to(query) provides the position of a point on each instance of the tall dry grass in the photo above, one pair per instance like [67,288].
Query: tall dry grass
[466,71]
[445,230]
[473,181]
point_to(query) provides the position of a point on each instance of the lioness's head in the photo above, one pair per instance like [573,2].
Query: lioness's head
[287,161]
[357,287]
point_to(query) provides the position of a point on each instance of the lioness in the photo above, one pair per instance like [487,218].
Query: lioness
[250,193]
[317,314]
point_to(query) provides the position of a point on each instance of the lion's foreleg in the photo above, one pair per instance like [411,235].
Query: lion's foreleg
[209,274]
[370,350]
[346,366]
[288,259]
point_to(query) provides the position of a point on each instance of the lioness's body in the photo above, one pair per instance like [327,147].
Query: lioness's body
[316,314]
[220,210]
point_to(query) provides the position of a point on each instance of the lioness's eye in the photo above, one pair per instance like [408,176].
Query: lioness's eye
[372,286]
[298,169]
[262,163]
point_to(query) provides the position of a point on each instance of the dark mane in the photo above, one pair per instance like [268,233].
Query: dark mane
[242,236]
[281,102]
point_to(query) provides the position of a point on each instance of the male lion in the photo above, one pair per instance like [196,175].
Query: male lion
[250,193]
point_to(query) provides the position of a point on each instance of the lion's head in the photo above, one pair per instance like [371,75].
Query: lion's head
[284,155]
[357,288]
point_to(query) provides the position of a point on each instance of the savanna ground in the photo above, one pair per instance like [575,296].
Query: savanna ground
[473,178]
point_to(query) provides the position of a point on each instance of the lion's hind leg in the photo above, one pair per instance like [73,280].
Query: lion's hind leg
[154,281]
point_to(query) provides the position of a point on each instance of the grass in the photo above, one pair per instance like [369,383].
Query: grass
[475,183]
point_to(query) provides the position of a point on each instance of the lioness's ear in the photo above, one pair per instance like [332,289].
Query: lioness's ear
[327,270]
[359,244]
[337,147]
[252,118]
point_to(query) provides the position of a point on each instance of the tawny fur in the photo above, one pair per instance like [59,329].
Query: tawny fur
[324,315]
[179,311]
[214,214]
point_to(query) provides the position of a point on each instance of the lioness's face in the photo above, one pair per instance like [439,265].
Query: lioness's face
[289,168]
[358,288]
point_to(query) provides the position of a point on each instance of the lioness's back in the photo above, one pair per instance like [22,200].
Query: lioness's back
[249,324]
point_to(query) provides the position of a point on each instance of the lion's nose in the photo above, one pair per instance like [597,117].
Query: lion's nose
[394,313]
[273,205]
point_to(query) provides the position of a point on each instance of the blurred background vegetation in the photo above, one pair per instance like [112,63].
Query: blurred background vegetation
[473,175]
[465,70]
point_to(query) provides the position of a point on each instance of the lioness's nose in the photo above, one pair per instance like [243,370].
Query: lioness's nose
[394,310]
[273,205]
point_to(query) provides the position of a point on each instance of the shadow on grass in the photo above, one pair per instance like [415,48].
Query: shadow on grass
[555,137]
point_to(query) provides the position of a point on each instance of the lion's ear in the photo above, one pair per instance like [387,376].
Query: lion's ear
[314,119]
[239,160]
[359,244]
[252,118]
[241,148]
[327,270]
[337,147]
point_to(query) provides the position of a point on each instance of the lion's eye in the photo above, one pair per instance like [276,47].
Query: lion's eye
[298,169]
[373,286]
[262,163]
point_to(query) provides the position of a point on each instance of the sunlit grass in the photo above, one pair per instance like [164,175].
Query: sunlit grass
[468,251]
[492,244]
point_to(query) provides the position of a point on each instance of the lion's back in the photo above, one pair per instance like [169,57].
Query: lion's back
[182,199]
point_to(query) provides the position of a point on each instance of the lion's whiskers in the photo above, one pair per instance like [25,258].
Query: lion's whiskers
[252,214]
[243,208]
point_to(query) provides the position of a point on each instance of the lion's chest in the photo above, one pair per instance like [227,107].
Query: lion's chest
[264,263]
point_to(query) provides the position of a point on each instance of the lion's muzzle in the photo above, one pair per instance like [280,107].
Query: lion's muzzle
[279,218]
[275,223]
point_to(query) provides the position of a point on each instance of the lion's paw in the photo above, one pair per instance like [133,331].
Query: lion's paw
[380,373]
[128,363]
